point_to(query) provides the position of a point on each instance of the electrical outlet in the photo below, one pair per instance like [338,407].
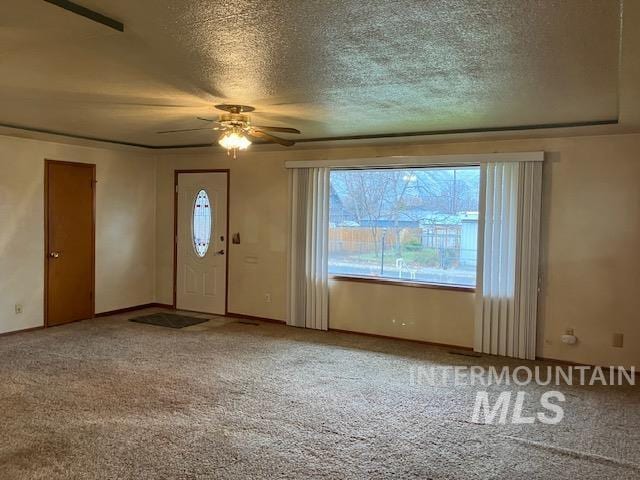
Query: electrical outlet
[618,340]
[18,308]
[267,298]
[569,331]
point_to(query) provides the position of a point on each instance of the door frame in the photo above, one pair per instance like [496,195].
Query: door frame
[92,166]
[176,174]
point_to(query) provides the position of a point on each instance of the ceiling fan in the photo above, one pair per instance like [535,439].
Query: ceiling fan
[237,129]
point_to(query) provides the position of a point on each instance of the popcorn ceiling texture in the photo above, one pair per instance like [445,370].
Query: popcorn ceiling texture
[327,67]
[107,398]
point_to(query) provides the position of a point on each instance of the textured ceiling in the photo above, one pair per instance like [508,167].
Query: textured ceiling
[329,68]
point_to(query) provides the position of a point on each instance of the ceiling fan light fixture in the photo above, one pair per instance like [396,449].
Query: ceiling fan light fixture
[236,129]
[234,140]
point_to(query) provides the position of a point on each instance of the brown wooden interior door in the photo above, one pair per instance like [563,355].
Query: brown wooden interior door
[69,242]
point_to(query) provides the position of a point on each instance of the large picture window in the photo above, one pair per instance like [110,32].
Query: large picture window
[418,225]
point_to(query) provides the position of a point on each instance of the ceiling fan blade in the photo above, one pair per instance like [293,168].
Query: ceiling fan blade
[271,138]
[132,104]
[186,130]
[278,129]
[208,120]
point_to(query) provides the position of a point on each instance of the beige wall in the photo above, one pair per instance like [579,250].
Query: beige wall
[257,209]
[427,314]
[590,259]
[125,227]
[590,256]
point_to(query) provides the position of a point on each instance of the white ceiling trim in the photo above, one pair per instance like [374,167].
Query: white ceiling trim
[419,161]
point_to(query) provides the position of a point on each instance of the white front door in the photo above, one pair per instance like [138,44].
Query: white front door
[201,269]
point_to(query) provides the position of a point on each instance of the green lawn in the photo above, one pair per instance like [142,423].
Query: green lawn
[423,258]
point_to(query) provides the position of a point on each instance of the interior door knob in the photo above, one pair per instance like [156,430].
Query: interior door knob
[220,252]
[54,254]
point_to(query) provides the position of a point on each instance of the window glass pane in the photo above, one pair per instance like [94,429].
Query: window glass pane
[202,223]
[418,224]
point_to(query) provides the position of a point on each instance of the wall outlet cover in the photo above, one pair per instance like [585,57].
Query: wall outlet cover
[618,340]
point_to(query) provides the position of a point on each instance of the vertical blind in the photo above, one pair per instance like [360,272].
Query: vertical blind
[308,278]
[508,257]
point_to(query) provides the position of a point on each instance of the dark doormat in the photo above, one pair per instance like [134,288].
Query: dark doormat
[170,320]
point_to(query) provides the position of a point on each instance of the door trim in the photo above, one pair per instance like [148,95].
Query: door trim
[175,232]
[92,166]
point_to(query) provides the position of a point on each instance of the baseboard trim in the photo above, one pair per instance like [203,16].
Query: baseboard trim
[423,342]
[131,309]
[163,305]
[569,363]
[23,330]
[563,362]
[252,317]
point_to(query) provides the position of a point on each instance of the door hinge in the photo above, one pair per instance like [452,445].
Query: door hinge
[176,188]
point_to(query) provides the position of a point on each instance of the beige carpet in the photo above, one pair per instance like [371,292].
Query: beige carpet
[112,399]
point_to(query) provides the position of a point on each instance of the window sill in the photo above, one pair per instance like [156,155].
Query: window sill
[401,283]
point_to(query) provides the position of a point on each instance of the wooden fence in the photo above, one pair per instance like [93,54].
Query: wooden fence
[363,239]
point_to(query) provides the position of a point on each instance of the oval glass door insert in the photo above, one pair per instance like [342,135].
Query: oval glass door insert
[202,223]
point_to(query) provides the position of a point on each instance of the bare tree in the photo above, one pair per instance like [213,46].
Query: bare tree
[386,196]
[374,195]
[448,191]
